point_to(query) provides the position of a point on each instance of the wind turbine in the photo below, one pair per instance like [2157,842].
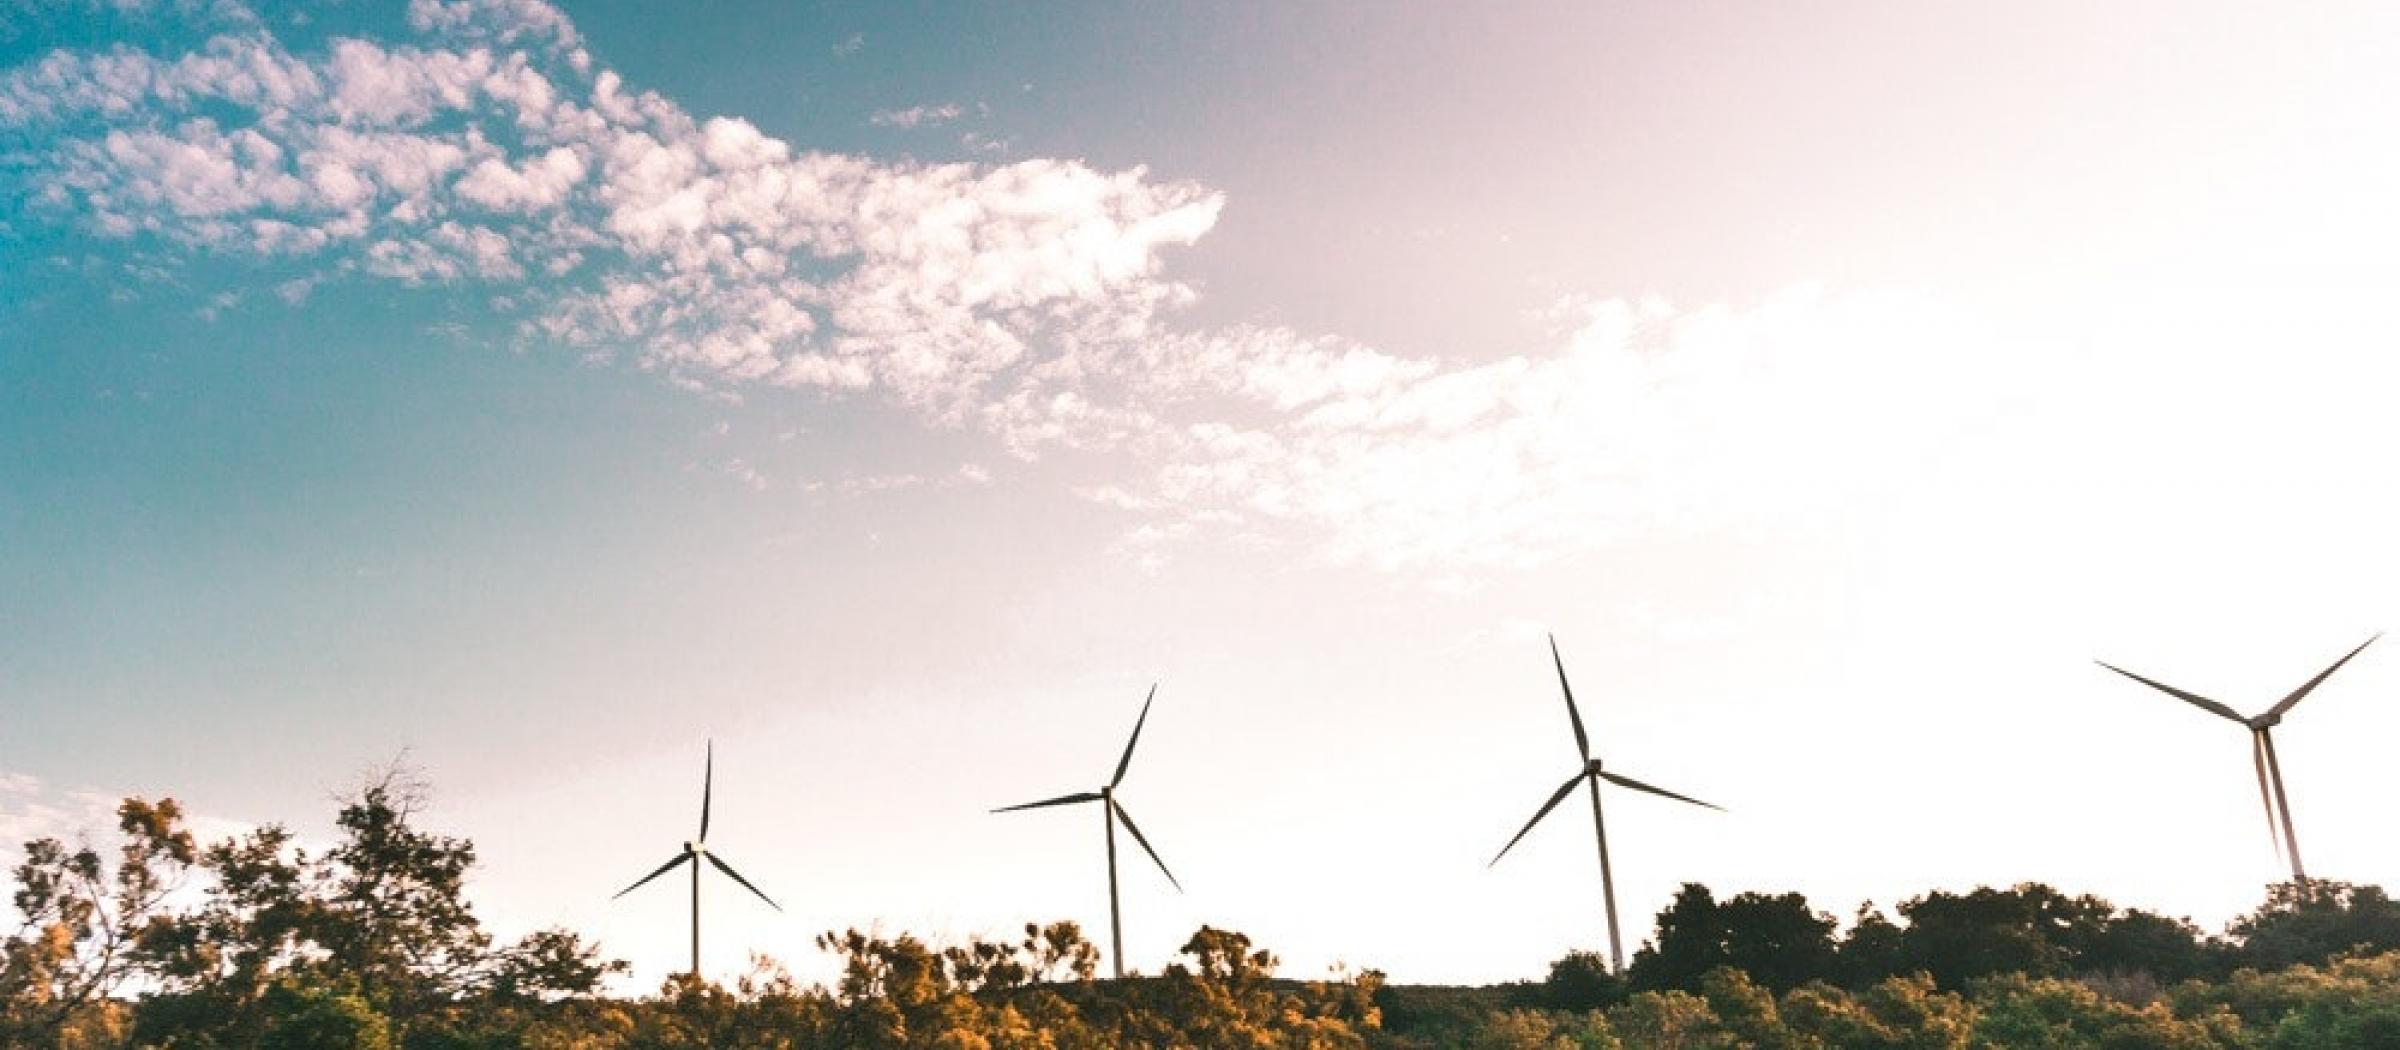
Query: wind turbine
[1112,811]
[1591,774]
[2262,747]
[693,853]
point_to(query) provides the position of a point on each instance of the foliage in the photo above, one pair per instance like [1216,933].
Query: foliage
[372,944]
[82,922]
[1776,939]
[2317,920]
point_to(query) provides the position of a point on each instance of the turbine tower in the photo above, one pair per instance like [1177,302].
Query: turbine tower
[1112,811]
[693,853]
[1591,774]
[2271,797]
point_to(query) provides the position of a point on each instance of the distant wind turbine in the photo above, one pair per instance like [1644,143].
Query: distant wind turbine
[1592,774]
[1111,812]
[2262,748]
[695,851]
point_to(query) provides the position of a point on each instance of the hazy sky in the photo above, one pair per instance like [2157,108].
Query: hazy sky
[894,393]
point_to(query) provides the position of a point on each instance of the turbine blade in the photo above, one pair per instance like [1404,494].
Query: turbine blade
[662,869]
[1127,761]
[2297,694]
[2266,800]
[1661,792]
[1583,744]
[1538,815]
[708,783]
[1137,837]
[1062,800]
[737,877]
[2194,699]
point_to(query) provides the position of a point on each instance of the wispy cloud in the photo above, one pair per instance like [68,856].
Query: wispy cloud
[917,116]
[1642,417]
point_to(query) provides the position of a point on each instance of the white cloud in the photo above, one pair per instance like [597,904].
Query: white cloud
[917,116]
[1643,418]
[704,248]
[542,182]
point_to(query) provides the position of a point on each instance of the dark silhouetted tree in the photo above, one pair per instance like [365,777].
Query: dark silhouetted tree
[2028,929]
[2314,921]
[1580,981]
[1869,951]
[1774,938]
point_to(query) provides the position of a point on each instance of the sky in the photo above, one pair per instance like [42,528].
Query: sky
[892,394]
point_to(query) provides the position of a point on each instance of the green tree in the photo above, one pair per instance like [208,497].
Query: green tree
[2028,929]
[2053,1014]
[2314,921]
[1774,938]
[1897,1013]
[1669,1020]
[1870,951]
[318,1019]
[1579,982]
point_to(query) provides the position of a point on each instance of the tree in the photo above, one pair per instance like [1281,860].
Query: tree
[1580,981]
[1897,1013]
[2028,929]
[2146,943]
[83,921]
[381,915]
[317,1019]
[2314,921]
[1775,938]
[2021,1011]
[1870,952]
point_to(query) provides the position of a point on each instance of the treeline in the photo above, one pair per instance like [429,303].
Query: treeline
[2317,965]
[371,944]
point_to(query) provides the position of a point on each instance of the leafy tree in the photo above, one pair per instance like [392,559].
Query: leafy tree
[1870,952]
[83,922]
[1670,1020]
[1897,1013]
[2021,1011]
[1747,1012]
[2314,921]
[317,1019]
[382,915]
[2028,929]
[2142,942]
[1775,938]
[1580,981]
[1537,1030]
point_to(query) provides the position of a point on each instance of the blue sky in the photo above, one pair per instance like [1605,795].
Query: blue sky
[893,393]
